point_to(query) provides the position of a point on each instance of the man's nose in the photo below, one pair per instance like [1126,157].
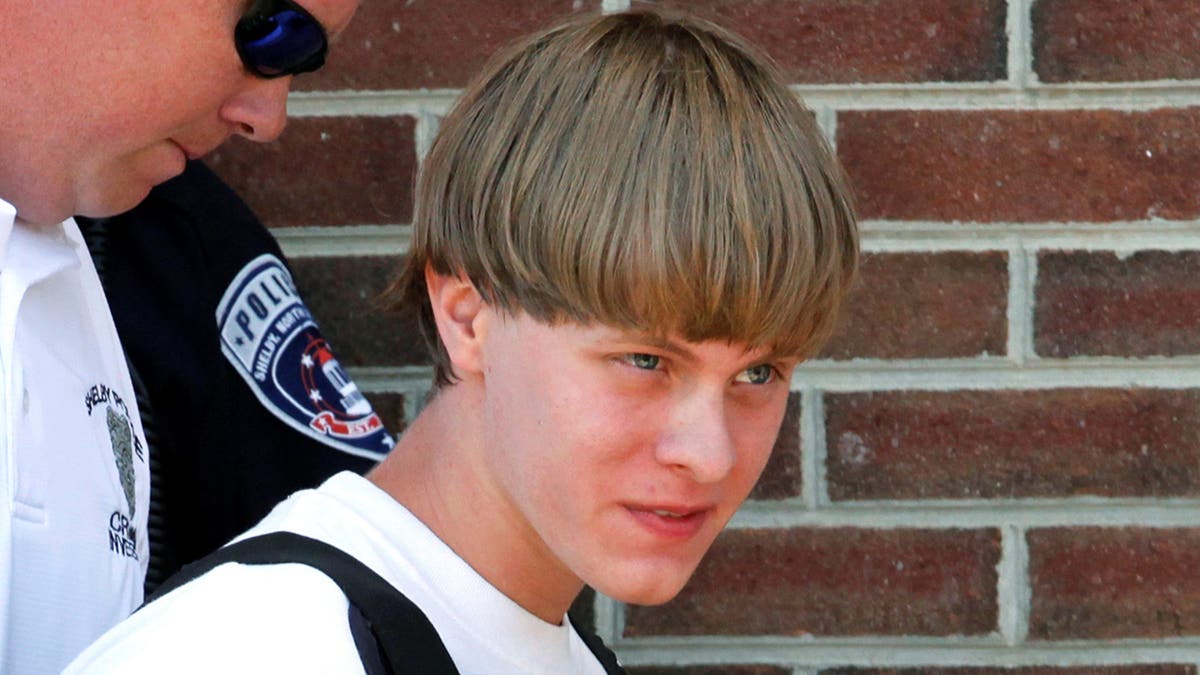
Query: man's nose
[259,111]
[697,440]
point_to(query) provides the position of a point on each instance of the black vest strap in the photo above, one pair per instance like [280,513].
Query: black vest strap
[406,639]
[603,654]
[407,642]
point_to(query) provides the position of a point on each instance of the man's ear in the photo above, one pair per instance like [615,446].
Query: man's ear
[458,310]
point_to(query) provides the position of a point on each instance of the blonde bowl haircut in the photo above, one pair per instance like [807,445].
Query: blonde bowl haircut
[646,171]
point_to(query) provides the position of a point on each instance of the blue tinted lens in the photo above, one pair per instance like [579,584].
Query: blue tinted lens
[286,42]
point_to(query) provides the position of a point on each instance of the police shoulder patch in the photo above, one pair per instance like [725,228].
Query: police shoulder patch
[271,339]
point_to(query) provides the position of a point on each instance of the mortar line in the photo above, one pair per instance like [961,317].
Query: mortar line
[878,236]
[976,374]
[818,653]
[415,398]
[427,128]
[1031,282]
[1124,96]
[1012,586]
[1020,306]
[344,240]
[605,612]
[1019,26]
[1191,225]
[813,491]
[1146,512]
[827,123]
[1128,236]
[998,374]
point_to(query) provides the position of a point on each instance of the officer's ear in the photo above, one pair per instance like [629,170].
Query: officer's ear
[460,314]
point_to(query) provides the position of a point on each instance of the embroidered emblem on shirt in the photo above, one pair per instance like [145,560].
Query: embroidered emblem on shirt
[271,339]
[122,445]
[126,446]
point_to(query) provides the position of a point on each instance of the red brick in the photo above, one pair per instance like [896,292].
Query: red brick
[430,44]
[1155,669]
[1108,583]
[925,305]
[1066,165]
[390,408]
[1102,304]
[327,171]
[999,444]
[824,41]
[344,296]
[835,582]
[782,477]
[1115,40]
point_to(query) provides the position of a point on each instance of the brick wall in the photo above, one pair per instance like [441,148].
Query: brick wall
[995,466]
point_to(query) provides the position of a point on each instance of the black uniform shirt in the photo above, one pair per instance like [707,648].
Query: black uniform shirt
[244,399]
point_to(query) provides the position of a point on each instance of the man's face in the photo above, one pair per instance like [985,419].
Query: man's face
[624,455]
[108,99]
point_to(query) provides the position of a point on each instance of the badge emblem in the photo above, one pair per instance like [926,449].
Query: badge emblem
[128,450]
[271,339]
[122,445]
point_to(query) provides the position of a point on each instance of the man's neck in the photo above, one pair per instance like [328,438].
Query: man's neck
[437,471]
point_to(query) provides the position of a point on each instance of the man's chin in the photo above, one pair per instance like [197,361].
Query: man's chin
[113,203]
[42,217]
[646,591]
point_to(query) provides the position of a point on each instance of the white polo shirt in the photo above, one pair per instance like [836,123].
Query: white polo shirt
[74,479]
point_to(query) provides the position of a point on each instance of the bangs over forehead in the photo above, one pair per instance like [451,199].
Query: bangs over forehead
[643,172]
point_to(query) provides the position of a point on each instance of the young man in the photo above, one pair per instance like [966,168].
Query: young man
[101,101]
[628,233]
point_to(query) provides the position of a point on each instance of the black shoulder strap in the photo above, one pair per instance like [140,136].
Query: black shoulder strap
[408,642]
[603,654]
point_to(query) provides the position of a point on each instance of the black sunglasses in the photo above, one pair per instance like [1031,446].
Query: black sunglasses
[279,37]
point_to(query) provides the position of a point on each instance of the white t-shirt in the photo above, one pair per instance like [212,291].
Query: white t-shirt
[290,618]
[74,482]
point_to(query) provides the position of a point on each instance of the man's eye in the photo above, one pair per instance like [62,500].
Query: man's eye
[643,361]
[760,374]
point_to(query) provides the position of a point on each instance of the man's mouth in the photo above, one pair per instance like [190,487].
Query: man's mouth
[670,522]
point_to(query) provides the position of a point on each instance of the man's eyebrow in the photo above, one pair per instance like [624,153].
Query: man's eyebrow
[770,355]
[667,345]
[776,354]
[657,342]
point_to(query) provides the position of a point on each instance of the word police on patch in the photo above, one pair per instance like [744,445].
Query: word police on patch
[270,337]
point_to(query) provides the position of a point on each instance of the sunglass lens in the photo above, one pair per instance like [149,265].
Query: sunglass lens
[283,43]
